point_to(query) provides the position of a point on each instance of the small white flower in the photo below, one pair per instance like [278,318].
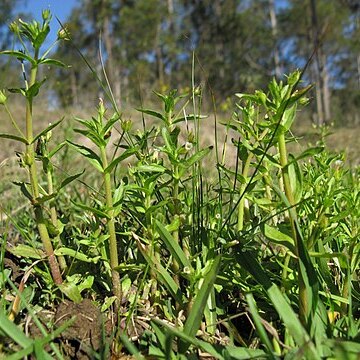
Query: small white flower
[338,163]
[188,146]
[217,216]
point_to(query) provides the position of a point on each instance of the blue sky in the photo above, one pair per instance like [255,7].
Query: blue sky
[60,8]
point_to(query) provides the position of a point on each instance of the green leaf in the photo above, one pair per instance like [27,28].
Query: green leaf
[150,168]
[34,89]
[76,255]
[14,137]
[21,91]
[288,117]
[309,153]
[173,247]
[296,179]
[70,179]
[240,353]
[189,117]
[292,323]
[168,141]
[95,211]
[194,318]
[44,198]
[278,237]
[161,339]
[127,153]
[113,120]
[41,36]
[131,347]
[217,351]
[45,131]
[71,291]
[18,55]
[27,251]
[14,332]
[56,149]
[92,157]
[163,276]
[259,325]
[210,313]
[152,113]
[196,157]
[109,300]
[24,189]
[52,62]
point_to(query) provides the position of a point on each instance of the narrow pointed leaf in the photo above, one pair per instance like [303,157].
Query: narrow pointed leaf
[18,55]
[258,325]
[95,211]
[127,153]
[70,179]
[152,113]
[163,276]
[173,247]
[193,321]
[196,157]
[278,237]
[24,189]
[14,137]
[45,131]
[53,62]
[92,157]
[189,117]
[13,331]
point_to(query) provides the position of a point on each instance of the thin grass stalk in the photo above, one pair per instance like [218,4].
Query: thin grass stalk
[114,260]
[30,162]
[303,303]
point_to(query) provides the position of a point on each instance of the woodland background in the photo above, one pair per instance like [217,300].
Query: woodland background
[239,46]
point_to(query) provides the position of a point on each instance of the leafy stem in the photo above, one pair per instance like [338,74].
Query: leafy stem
[114,262]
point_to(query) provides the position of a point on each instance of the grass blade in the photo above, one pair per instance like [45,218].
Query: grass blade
[193,321]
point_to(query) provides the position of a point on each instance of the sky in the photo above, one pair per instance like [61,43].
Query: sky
[59,8]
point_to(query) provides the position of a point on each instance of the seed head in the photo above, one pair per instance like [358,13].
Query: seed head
[63,34]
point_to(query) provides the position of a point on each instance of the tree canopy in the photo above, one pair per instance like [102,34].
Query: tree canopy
[239,45]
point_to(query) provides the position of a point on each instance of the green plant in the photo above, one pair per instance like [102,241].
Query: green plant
[261,262]
[34,34]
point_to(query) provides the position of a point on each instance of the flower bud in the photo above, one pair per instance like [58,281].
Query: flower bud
[46,14]
[197,91]
[63,34]
[126,125]
[101,108]
[14,27]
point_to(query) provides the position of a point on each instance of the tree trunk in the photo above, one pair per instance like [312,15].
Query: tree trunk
[317,63]
[108,41]
[159,56]
[325,90]
[275,32]
[74,89]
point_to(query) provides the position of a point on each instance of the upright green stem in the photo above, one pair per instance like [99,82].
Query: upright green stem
[30,161]
[54,218]
[241,208]
[303,304]
[175,233]
[114,260]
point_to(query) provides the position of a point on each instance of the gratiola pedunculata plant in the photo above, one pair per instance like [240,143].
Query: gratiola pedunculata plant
[32,36]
